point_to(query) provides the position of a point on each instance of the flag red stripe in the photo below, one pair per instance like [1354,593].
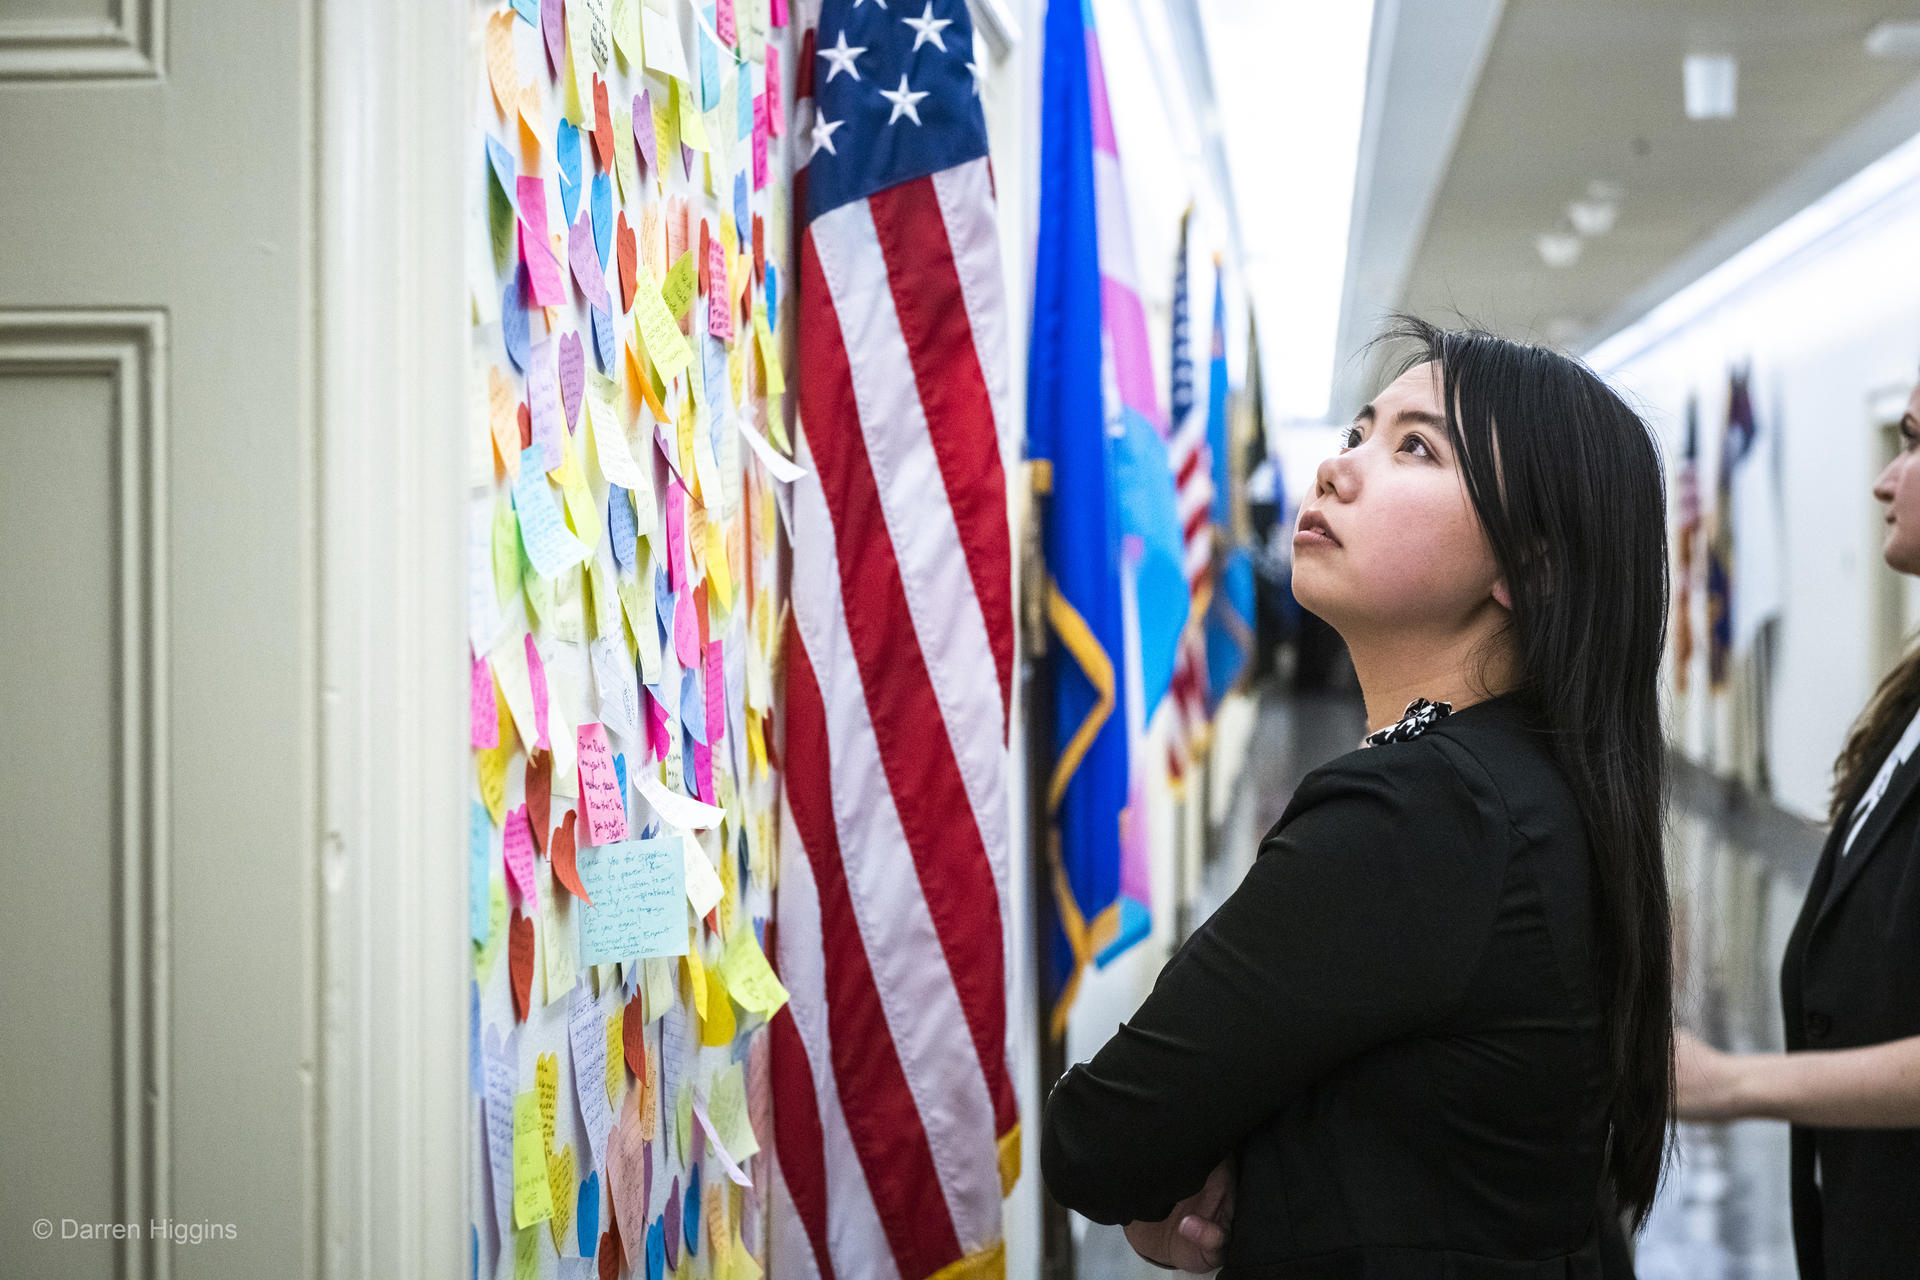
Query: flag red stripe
[797,1135]
[936,815]
[879,1107]
[953,395]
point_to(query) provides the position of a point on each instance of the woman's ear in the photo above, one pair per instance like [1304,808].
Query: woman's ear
[1501,595]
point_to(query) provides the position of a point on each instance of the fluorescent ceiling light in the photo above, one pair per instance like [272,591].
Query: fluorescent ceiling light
[1711,79]
[1894,40]
[1558,248]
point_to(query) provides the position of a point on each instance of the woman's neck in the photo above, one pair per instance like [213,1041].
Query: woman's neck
[1462,670]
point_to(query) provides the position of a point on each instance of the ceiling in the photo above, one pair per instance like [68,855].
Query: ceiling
[1485,119]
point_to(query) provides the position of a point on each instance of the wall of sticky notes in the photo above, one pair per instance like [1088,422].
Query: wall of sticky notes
[628,203]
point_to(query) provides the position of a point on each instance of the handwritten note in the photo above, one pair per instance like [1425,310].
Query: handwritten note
[719,301]
[678,288]
[659,332]
[543,400]
[551,546]
[664,51]
[704,889]
[581,255]
[610,439]
[532,1197]
[727,1103]
[677,810]
[748,976]
[639,901]
[599,789]
[501,1055]
[619,698]
[586,1031]
[536,246]
[719,1148]
[518,850]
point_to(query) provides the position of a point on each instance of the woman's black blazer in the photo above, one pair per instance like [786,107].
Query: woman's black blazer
[1392,1023]
[1851,977]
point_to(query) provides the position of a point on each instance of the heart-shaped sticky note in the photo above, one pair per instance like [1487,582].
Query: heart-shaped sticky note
[500,69]
[692,1223]
[539,788]
[643,131]
[560,1180]
[602,125]
[633,1031]
[524,416]
[609,1255]
[628,252]
[520,962]
[587,1211]
[672,1225]
[553,25]
[573,375]
[661,1251]
[565,864]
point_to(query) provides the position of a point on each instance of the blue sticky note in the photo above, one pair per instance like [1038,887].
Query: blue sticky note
[663,601]
[740,223]
[639,907]
[479,870]
[587,1214]
[529,10]
[656,1249]
[476,1064]
[513,319]
[500,160]
[566,152]
[602,216]
[691,1206]
[603,339]
[620,776]
[773,291]
[709,62]
[693,706]
[743,117]
[474,1232]
[621,525]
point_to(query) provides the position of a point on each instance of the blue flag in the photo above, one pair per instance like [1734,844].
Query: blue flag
[1066,430]
[1230,611]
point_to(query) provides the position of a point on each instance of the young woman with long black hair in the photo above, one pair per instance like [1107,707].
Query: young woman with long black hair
[1430,1034]
[1850,982]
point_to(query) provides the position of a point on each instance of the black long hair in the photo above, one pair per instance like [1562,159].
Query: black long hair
[1568,485]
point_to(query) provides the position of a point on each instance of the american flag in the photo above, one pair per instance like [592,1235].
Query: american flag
[1192,463]
[895,1125]
[1688,503]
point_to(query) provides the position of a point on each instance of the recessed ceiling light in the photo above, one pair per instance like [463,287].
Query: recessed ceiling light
[1558,248]
[1711,79]
[1592,217]
[1894,40]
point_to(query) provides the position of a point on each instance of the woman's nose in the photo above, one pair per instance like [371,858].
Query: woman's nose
[1883,485]
[1334,476]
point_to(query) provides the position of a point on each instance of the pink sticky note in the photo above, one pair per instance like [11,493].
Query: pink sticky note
[486,714]
[537,677]
[723,22]
[536,244]
[703,770]
[716,693]
[719,304]
[657,732]
[517,843]
[775,114]
[676,533]
[686,630]
[585,259]
[759,142]
[779,13]
[600,787]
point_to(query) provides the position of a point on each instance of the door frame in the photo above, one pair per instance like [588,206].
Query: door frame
[386,379]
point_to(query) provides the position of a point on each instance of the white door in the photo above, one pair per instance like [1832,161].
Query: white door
[188,1074]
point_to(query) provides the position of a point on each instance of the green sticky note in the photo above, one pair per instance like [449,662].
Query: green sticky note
[678,288]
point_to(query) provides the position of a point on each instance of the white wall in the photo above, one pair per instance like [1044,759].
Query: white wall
[1827,308]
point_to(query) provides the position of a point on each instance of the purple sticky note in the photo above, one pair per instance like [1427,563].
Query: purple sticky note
[587,272]
[553,25]
[759,143]
[543,403]
[573,376]
[513,319]
[603,338]
[643,131]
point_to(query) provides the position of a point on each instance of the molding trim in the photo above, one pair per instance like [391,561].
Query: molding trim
[388,377]
[1788,844]
[129,349]
[129,45]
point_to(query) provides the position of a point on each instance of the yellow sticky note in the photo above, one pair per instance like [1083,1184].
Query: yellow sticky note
[679,286]
[485,953]
[606,599]
[506,549]
[727,1108]
[664,130]
[717,576]
[526,1255]
[546,1089]
[491,763]
[583,514]
[625,167]
[650,1099]
[749,977]
[501,71]
[682,1126]
[693,129]
[744,1266]
[626,32]
[657,975]
[776,377]
[716,1023]
[532,1197]
[659,332]
[560,967]
[696,972]
[719,1234]
[616,1055]
[560,1175]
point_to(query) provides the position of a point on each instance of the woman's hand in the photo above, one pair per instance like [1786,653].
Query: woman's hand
[1194,1236]
[1704,1080]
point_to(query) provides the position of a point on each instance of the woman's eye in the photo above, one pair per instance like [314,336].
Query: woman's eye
[1417,446]
[1350,438]
[1908,439]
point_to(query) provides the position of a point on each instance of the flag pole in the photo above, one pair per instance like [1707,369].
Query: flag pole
[1036,678]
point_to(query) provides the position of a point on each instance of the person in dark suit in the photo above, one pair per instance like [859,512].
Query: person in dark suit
[1849,1082]
[1430,1034]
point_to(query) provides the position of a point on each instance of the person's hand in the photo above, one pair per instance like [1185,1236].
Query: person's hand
[1704,1080]
[1194,1236]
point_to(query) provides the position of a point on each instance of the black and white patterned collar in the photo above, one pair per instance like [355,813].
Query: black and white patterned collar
[1421,715]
